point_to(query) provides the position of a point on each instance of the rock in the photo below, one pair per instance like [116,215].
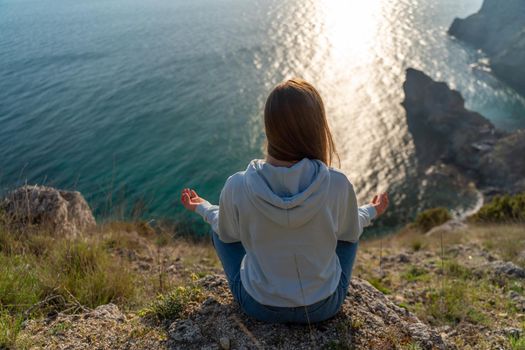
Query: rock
[498,28]
[367,320]
[62,212]
[398,258]
[225,343]
[444,132]
[512,332]
[185,331]
[507,268]
[517,299]
[504,166]
[108,312]
[403,258]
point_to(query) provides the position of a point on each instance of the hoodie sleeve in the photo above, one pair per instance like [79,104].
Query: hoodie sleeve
[353,218]
[223,218]
[210,214]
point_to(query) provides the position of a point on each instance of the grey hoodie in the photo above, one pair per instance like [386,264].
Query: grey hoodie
[289,220]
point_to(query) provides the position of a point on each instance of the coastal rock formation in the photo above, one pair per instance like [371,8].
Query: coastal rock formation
[498,28]
[62,212]
[368,320]
[445,132]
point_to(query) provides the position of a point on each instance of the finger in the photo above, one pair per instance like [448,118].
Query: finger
[193,194]
[185,198]
[374,199]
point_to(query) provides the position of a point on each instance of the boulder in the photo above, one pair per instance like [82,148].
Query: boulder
[41,207]
[367,320]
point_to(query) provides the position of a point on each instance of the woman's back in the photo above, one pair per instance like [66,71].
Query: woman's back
[289,220]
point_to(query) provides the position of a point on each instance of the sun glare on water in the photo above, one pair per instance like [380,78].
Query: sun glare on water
[350,28]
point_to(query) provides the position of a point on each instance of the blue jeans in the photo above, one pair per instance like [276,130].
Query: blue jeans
[231,255]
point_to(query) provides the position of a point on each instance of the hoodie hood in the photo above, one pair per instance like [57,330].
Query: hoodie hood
[290,196]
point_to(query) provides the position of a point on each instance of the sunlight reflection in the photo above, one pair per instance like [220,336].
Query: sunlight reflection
[351,27]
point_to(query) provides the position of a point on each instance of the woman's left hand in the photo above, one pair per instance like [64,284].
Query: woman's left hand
[190,199]
[380,203]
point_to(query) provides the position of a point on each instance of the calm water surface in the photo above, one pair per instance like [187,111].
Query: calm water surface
[129,101]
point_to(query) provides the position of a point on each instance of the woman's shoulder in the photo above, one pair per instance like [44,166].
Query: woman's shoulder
[339,178]
[235,180]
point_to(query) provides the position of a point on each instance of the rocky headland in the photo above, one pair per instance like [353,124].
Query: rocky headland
[498,28]
[446,134]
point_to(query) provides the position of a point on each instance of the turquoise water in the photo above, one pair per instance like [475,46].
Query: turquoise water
[129,101]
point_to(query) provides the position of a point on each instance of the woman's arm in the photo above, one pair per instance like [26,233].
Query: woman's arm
[227,226]
[354,219]
[209,212]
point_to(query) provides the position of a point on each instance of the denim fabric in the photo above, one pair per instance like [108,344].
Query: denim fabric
[231,255]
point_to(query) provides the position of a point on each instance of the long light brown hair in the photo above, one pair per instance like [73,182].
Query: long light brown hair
[296,124]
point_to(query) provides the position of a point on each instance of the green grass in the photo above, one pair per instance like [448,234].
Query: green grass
[415,273]
[517,343]
[456,270]
[10,327]
[172,305]
[19,285]
[89,273]
[430,218]
[516,286]
[379,284]
[456,302]
[412,346]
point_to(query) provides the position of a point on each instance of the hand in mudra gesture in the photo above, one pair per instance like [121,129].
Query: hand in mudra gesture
[380,203]
[190,199]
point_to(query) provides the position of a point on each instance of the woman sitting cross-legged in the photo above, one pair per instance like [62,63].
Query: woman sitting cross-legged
[287,228]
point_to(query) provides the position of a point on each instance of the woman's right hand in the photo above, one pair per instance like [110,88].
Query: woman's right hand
[380,203]
[190,199]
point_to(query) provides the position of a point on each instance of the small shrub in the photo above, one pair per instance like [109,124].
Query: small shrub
[502,209]
[431,218]
[416,245]
[412,346]
[172,305]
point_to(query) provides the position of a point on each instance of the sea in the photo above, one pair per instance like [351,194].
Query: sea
[130,101]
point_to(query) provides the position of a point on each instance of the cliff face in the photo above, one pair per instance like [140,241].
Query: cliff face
[498,28]
[444,131]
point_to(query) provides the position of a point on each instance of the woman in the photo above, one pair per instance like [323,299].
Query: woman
[287,228]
